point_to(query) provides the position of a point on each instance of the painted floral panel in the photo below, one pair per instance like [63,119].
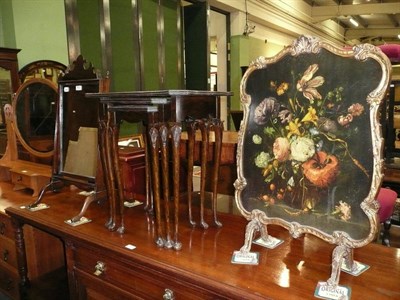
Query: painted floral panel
[307,152]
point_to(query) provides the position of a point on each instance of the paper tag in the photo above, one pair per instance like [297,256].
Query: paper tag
[130,247]
[325,291]
[249,258]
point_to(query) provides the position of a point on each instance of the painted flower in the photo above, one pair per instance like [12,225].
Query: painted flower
[257,139]
[281,149]
[311,116]
[294,128]
[345,120]
[356,109]
[302,149]
[282,88]
[262,159]
[322,169]
[268,108]
[308,85]
[285,116]
[344,211]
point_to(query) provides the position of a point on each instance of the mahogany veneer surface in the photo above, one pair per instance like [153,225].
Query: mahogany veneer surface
[290,271]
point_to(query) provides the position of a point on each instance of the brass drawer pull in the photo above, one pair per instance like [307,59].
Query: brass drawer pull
[2,228]
[5,255]
[168,295]
[99,268]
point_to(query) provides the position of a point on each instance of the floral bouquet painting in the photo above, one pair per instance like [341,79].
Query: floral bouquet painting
[307,153]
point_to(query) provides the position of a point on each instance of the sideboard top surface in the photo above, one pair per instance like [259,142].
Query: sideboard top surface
[291,270]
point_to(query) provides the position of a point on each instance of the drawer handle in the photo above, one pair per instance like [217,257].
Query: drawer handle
[9,284]
[2,228]
[168,295]
[5,255]
[19,178]
[100,267]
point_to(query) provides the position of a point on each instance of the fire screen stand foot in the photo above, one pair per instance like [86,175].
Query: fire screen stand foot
[244,256]
[342,256]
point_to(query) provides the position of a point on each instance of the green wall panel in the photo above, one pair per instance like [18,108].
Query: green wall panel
[39,30]
[89,31]
[123,56]
[172,78]
[7,30]
[150,52]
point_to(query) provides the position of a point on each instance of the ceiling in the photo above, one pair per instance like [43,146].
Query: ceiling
[379,20]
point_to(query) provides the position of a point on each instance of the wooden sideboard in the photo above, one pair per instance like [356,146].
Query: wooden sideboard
[36,242]
[101,265]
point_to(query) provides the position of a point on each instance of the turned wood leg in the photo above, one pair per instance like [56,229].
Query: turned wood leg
[190,166]
[119,195]
[105,164]
[176,138]
[165,183]
[111,224]
[21,255]
[149,207]
[218,129]
[204,158]
[154,140]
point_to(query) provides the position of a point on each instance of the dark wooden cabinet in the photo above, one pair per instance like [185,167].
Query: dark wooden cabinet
[9,62]
[9,79]
[133,173]
[391,124]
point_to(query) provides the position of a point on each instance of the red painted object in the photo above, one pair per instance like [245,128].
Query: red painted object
[387,199]
[392,51]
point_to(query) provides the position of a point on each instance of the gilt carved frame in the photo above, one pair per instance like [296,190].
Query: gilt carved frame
[309,154]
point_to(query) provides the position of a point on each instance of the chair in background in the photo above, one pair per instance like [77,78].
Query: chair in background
[387,200]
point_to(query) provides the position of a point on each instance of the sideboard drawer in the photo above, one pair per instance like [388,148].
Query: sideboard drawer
[133,277]
[8,253]
[9,282]
[6,228]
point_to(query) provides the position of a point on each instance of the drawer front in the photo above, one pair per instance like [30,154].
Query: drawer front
[9,283]
[134,278]
[8,253]
[6,228]
[20,179]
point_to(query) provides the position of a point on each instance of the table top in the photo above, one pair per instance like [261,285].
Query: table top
[160,93]
[290,271]
[156,94]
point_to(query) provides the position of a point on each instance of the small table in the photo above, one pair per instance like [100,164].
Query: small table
[147,107]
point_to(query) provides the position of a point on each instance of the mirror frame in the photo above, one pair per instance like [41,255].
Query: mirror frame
[21,139]
[32,67]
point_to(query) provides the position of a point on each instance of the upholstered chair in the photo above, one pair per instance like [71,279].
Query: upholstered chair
[387,200]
